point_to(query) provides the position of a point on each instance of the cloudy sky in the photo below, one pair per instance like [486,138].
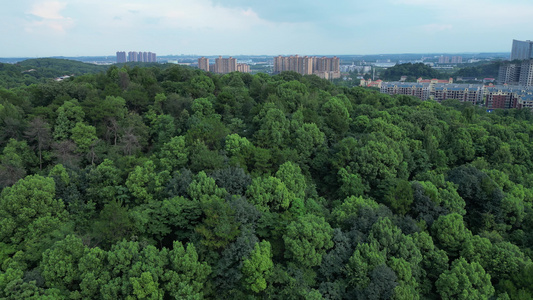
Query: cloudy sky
[39,28]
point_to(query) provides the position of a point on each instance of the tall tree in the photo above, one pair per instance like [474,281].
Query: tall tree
[38,132]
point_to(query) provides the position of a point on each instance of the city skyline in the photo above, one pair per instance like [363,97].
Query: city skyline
[44,28]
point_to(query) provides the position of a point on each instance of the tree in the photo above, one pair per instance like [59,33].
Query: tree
[307,138]
[219,226]
[233,179]
[29,213]
[201,86]
[239,149]
[376,161]
[365,258]
[187,276]
[451,233]
[13,164]
[136,270]
[460,146]
[60,264]
[258,268]
[113,224]
[273,128]
[144,183]
[84,136]
[93,272]
[291,174]
[465,281]
[400,197]
[65,152]
[481,194]
[39,132]
[174,154]
[68,115]
[104,183]
[351,209]
[336,115]
[269,193]
[307,239]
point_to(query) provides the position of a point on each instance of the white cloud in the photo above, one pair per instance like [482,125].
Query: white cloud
[179,14]
[182,26]
[48,17]
[475,13]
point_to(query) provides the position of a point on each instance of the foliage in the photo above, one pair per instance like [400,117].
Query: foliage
[169,182]
[410,70]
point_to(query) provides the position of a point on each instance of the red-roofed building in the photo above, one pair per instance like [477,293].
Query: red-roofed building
[420,80]
[370,83]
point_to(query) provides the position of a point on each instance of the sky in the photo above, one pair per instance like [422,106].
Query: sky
[41,28]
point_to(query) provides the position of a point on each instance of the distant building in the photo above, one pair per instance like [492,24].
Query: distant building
[444,59]
[496,97]
[500,97]
[434,90]
[121,57]
[225,65]
[509,74]
[134,56]
[203,63]
[504,96]
[243,68]
[457,59]
[370,83]
[420,90]
[516,74]
[522,50]
[526,73]
[472,93]
[420,80]
[323,67]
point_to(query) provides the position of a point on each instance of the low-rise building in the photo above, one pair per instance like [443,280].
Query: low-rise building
[434,80]
[371,83]
[420,90]
[472,93]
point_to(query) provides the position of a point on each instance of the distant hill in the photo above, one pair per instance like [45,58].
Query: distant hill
[412,71]
[42,69]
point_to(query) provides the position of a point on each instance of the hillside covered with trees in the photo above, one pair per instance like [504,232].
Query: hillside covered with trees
[478,70]
[41,70]
[412,71]
[169,182]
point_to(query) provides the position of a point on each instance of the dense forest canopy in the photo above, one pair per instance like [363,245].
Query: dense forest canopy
[413,71]
[169,182]
[480,70]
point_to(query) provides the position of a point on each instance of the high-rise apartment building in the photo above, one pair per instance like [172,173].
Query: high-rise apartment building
[203,63]
[222,65]
[243,68]
[444,59]
[516,74]
[134,56]
[323,67]
[522,50]
[121,57]
[225,65]
[526,73]
[509,74]
[457,59]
